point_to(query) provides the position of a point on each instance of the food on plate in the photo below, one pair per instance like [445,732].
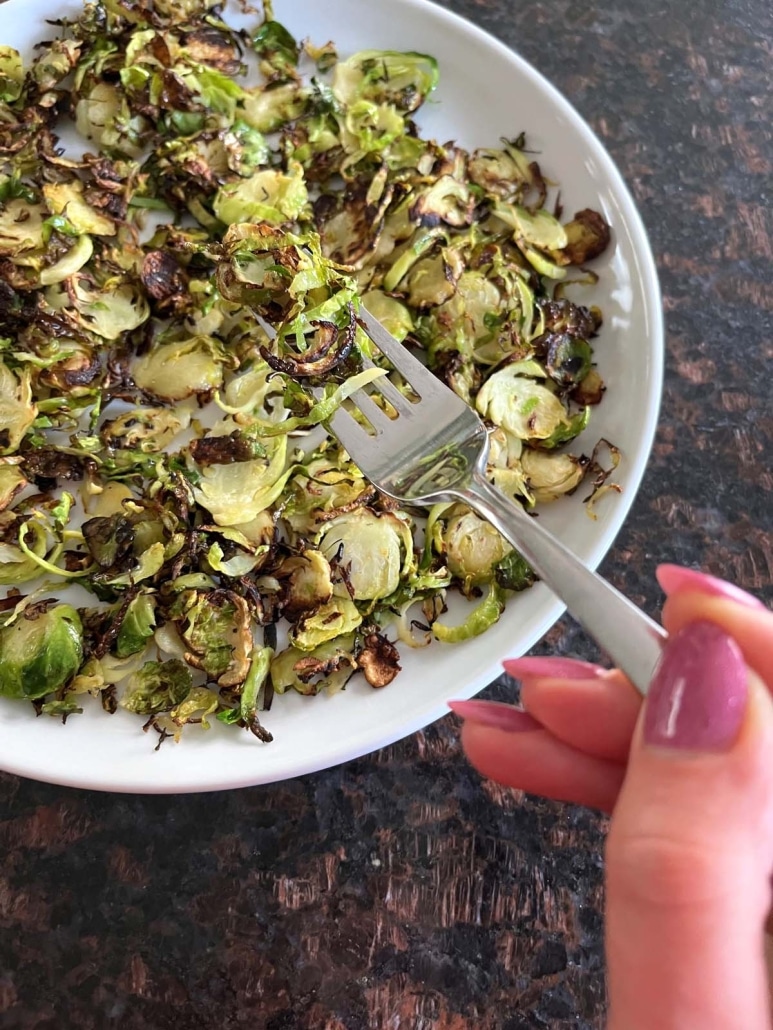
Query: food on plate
[162,456]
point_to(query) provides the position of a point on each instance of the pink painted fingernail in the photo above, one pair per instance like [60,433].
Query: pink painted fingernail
[675,579]
[495,714]
[551,668]
[698,694]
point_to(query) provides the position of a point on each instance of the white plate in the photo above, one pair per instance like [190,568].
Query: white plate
[485,92]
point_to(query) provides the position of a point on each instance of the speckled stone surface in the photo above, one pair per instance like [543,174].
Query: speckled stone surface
[399,891]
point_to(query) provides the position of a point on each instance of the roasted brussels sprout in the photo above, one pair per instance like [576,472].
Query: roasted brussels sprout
[40,651]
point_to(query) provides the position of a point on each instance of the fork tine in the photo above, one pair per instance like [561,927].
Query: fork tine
[412,370]
[351,435]
[389,391]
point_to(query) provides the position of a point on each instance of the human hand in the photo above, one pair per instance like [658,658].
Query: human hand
[689,779]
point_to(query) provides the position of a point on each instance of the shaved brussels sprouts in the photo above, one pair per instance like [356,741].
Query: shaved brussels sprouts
[180,304]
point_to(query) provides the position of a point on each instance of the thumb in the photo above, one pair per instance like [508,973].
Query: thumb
[690,848]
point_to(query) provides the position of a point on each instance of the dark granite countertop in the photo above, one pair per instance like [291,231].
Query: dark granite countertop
[399,891]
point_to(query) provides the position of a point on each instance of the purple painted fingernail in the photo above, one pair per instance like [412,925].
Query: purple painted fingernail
[551,668]
[495,715]
[698,694]
[675,579]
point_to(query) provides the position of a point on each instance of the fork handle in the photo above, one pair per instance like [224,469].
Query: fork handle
[630,638]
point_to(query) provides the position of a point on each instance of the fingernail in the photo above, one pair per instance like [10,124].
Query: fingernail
[675,579]
[495,714]
[698,694]
[551,668]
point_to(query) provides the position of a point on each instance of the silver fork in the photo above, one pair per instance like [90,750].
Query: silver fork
[435,450]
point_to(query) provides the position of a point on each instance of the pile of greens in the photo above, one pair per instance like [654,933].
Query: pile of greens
[135,284]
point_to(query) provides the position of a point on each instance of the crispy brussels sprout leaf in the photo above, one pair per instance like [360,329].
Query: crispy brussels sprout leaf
[237,493]
[327,667]
[321,488]
[137,626]
[22,564]
[587,236]
[539,228]
[371,550]
[157,687]
[40,652]
[149,562]
[551,475]
[11,74]
[334,619]
[66,199]
[148,430]
[268,108]
[17,409]
[217,632]
[309,582]
[271,196]
[379,660]
[521,405]
[176,370]
[109,539]
[21,227]
[12,482]
[513,572]
[481,618]
[386,77]
[568,359]
[566,431]
[73,261]
[108,312]
[472,547]
[277,48]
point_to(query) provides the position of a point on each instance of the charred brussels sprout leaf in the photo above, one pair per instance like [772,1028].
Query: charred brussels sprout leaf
[568,359]
[109,539]
[157,687]
[40,652]
[587,236]
[513,572]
